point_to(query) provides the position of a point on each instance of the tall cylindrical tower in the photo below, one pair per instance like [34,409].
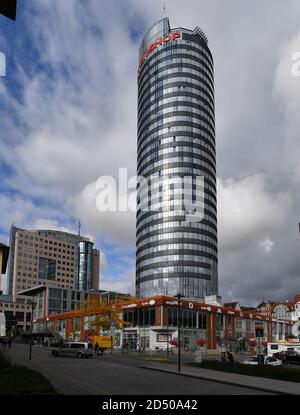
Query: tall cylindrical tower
[85,265]
[176,247]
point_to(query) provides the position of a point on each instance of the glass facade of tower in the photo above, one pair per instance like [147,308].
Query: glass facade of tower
[176,142]
[85,269]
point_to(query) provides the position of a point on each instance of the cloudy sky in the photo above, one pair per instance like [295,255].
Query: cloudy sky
[68,116]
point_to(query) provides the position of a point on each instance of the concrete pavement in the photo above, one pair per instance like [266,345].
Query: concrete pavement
[118,375]
[258,383]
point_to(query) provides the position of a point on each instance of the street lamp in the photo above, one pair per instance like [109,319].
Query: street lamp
[179,296]
[31,329]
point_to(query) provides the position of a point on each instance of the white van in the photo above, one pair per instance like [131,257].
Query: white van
[75,349]
[280,347]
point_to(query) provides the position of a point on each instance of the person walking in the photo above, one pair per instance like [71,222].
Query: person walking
[230,357]
[124,348]
[97,348]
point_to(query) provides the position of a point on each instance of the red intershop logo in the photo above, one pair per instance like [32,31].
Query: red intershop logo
[165,39]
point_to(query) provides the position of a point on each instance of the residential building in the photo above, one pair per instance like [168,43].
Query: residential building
[176,245]
[283,310]
[295,314]
[265,308]
[235,305]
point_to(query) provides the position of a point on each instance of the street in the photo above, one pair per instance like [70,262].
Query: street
[116,375]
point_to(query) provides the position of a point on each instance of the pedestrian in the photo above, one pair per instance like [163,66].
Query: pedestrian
[230,356]
[124,347]
[9,343]
[97,348]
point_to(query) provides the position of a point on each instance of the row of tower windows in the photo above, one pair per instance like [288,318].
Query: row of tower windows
[175,82]
[184,63]
[179,247]
[150,137]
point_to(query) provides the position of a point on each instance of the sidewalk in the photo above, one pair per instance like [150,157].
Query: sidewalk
[263,384]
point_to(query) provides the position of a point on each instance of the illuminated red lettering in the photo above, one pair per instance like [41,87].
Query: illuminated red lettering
[151,48]
[176,35]
[167,39]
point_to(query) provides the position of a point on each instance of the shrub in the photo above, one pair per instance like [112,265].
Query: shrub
[264,371]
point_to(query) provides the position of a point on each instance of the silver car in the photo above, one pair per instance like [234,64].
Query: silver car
[75,349]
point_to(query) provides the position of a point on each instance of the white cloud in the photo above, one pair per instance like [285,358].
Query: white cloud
[22,211]
[266,245]
[52,224]
[75,120]
[287,91]
[123,278]
[246,210]
[47,224]
[113,226]
[124,283]
[78,115]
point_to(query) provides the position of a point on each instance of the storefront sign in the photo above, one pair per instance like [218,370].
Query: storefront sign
[151,302]
[206,308]
[129,306]
[172,302]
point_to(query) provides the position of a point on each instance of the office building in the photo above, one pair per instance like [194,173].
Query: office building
[4,251]
[17,314]
[56,300]
[176,246]
[51,258]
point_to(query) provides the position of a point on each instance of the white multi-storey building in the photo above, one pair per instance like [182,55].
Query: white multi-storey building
[283,310]
[295,315]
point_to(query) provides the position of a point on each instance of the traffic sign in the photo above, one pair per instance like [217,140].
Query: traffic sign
[259,329]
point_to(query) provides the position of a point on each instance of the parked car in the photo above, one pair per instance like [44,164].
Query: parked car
[55,342]
[267,360]
[279,355]
[75,349]
[291,357]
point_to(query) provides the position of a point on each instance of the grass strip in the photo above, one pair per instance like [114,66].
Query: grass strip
[19,380]
[263,371]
